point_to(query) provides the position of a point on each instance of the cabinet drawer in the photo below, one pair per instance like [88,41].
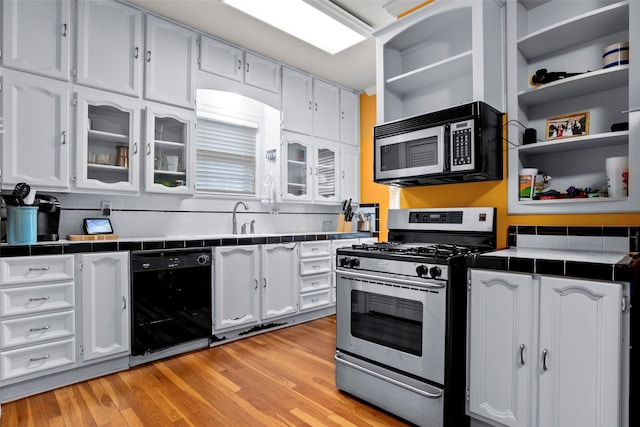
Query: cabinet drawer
[315,249]
[29,360]
[35,329]
[314,300]
[36,299]
[36,269]
[315,266]
[315,283]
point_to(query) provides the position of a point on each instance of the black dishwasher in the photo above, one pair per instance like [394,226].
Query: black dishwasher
[171,298]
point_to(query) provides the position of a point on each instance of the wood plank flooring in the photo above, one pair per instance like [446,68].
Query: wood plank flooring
[280,378]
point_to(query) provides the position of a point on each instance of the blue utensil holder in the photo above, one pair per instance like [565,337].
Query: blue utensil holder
[22,225]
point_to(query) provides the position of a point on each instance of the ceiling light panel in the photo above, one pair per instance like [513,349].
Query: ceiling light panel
[305,22]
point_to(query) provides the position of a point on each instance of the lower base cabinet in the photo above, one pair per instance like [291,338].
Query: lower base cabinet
[104,289]
[278,296]
[545,351]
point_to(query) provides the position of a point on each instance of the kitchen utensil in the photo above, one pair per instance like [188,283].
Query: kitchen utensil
[20,192]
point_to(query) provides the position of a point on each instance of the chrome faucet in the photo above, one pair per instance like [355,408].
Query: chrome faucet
[235,221]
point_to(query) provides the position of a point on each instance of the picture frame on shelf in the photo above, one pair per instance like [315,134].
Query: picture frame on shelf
[567,126]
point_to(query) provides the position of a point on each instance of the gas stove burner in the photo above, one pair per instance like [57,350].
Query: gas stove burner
[434,250]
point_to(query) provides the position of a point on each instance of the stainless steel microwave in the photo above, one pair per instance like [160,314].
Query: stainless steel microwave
[459,144]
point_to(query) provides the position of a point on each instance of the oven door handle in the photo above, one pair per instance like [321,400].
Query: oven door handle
[394,279]
[389,380]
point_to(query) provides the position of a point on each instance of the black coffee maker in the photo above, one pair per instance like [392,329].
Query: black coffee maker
[48,217]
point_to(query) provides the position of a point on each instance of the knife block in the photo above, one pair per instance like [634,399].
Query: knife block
[343,225]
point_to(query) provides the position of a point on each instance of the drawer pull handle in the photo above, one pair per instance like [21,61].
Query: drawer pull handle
[37,359]
[44,328]
[124,303]
[545,352]
[316,267]
[39,299]
[522,354]
[38,268]
[315,283]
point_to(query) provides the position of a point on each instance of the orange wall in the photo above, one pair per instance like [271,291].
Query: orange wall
[491,193]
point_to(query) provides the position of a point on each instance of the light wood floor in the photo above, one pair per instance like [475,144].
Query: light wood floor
[280,378]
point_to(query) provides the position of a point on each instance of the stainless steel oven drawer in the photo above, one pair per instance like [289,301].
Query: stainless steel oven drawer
[412,400]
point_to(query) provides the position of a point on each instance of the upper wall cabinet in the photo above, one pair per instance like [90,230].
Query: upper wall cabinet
[349,117]
[310,106]
[228,61]
[170,61]
[445,54]
[35,146]
[36,36]
[110,47]
[571,37]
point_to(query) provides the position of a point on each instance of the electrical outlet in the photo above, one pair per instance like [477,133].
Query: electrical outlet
[105,208]
[274,210]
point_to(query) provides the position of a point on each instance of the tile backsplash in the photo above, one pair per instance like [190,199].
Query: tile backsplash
[587,238]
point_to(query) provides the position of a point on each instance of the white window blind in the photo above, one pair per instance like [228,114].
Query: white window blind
[226,157]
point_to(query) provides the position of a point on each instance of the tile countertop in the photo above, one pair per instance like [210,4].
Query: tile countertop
[170,242]
[615,266]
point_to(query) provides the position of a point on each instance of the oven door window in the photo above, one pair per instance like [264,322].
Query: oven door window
[388,321]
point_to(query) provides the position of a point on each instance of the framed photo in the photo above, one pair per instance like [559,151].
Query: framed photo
[576,124]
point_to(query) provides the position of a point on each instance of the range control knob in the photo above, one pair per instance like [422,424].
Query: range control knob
[354,262]
[435,272]
[344,262]
[203,259]
[422,270]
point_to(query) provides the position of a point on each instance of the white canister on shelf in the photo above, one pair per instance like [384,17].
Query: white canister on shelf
[617,169]
[527,183]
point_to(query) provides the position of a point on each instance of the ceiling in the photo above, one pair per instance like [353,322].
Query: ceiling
[353,68]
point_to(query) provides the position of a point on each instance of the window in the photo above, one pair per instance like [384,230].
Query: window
[225,157]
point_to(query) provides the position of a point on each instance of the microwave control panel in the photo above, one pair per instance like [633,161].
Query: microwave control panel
[462,143]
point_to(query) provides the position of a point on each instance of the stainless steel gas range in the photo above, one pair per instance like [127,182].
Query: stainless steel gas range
[401,313]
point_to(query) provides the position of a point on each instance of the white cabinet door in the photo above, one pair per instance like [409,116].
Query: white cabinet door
[326,108]
[109,46]
[279,280]
[220,58]
[104,285]
[326,164]
[349,117]
[36,36]
[170,61]
[579,353]
[350,173]
[297,101]
[108,136]
[236,286]
[297,170]
[36,136]
[261,72]
[169,150]
[501,347]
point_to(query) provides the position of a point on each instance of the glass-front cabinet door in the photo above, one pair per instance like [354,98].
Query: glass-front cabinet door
[326,171]
[297,172]
[108,129]
[168,151]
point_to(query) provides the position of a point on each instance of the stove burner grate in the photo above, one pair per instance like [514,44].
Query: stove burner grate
[435,250]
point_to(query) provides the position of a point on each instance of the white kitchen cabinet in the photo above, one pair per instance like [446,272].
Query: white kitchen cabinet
[297,101]
[36,36]
[309,105]
[543,349]
[223,59]
[315,275]
[169,150]
[310,169]
[350,173]
[571,37]
[349,117]
[447,53]
[107,141]
[36,136]
[170,61]
[279,294]
[236,287]
[104,289]
[37,316]
[110,50]
[326,110]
